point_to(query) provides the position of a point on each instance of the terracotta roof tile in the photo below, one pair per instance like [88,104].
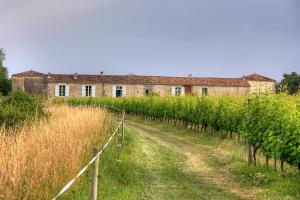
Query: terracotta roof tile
[147,80]
[257,77]
[29,73]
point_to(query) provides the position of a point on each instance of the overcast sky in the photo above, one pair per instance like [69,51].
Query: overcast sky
[222,38]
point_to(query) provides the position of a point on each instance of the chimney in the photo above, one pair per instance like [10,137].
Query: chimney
[75,76]
[190,75]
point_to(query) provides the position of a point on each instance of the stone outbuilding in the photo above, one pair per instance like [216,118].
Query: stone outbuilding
[260,84]
[80,85]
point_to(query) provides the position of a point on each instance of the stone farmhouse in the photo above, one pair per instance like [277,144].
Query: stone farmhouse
[79,85]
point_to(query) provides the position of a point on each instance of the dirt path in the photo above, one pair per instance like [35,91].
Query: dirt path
[197,156]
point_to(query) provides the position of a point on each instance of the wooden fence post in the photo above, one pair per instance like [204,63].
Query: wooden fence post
[250,157]
[93,195]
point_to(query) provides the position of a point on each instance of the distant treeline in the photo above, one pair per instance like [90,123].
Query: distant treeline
[289,84]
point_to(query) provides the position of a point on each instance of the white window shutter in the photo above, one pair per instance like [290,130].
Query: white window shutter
[93,91]
[67,90]
[83,90]
[173,91]
[56,91]
[114,88]
[124,91]
[182,91]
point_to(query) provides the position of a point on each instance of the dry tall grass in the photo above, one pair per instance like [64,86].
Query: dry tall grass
[42,157]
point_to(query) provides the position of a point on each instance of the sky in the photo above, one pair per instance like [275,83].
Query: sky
[206,38]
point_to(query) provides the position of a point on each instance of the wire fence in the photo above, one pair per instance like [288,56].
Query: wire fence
[118,131]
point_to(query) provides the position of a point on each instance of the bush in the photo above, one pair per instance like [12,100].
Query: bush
[18,107]
[58,100]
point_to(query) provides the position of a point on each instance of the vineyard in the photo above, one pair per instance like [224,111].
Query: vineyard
[269,124]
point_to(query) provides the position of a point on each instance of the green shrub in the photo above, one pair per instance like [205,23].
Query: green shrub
[18,107]
[58,100]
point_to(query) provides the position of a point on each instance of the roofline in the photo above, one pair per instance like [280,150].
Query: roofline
[193,77]
[271,80]
[268,79]
[126,79]
[21,74]
[203,85]
[245,84]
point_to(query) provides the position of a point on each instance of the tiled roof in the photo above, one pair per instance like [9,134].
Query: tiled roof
[147,80]
[257,77]
[29,73]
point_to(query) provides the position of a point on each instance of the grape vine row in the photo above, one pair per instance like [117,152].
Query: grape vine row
[270,124]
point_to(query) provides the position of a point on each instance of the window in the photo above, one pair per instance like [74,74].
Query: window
[204,91]
[178,91]
[62,90]
[88,90]
[119,91]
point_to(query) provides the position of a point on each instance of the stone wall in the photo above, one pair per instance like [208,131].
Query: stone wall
[262,86]
[17,83]
[32,85]
[39,87]
[219,90]
[101,90]
[163,90]
[138,90]
[106,90]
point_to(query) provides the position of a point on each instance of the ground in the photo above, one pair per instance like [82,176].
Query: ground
[160,161]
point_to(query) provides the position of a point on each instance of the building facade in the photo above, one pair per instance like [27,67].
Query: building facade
[78,85]
[260,84]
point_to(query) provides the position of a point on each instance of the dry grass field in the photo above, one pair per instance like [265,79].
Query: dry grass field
[38,159]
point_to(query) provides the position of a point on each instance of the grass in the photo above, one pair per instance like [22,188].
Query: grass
[38,159]
[229,158]
[146,170]
[142,169]
[285,184]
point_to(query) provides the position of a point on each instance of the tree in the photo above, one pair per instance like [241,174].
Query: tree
[5,83]
[2,57]
[290,83]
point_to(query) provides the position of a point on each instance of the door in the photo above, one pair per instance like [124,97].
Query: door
[188,89]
